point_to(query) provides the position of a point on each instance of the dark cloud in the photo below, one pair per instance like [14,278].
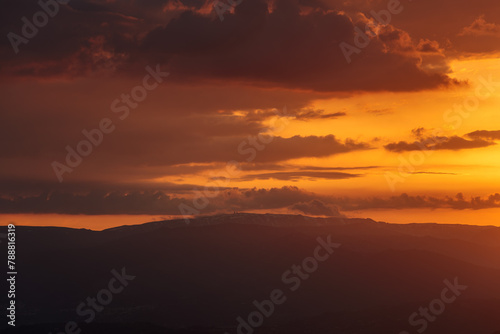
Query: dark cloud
[288,47]
[379,112]
[453,143]
[228,80]
[444,23]
[298,114]
[434,173]
[428,46]
[481,28]
[305,50]
[288,167]
[485,135]
[170,128]
[178,148]
[83,38]
[405,201]
[261,199]
[305,115]
[96,202]
[149,202]
[294,176]
[317,208]
[480,36]
[335,168]
[18,187]
[230,199]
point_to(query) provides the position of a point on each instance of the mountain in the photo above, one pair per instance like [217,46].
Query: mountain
[201,276]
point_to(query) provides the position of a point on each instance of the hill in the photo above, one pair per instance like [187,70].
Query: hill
[200,277]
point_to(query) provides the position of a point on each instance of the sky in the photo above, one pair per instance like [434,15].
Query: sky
[120,112]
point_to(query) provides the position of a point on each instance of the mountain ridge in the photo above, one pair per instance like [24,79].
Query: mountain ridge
[208,272]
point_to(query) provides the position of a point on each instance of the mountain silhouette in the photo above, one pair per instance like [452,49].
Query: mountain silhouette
[201,276]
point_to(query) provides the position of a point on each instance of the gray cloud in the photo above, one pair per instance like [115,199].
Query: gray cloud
[229,199]
[294,176]
[426,142]
[485,135]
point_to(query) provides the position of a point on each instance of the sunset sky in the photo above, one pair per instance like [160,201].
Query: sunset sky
[260,111]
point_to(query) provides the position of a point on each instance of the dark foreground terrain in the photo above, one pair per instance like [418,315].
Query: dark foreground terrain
[249,273]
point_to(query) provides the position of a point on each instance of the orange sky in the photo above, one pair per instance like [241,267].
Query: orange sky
[406,132]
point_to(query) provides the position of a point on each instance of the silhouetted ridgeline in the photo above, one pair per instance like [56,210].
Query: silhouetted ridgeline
[200,277]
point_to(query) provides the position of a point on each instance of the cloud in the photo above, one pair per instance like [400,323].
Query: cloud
[380,112]
[405,201]
[182,148]
[427,142]
[481,36]
[305,115]
[317,208]
[94,203]
[429,46]
[294,176]
[481,28]
[102,202]
[306,52]
[434,173]
[485,134]
[437,24]
[335,168]
[170,128]
[116,38]
[301,114]
[21,187]
[228,79]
